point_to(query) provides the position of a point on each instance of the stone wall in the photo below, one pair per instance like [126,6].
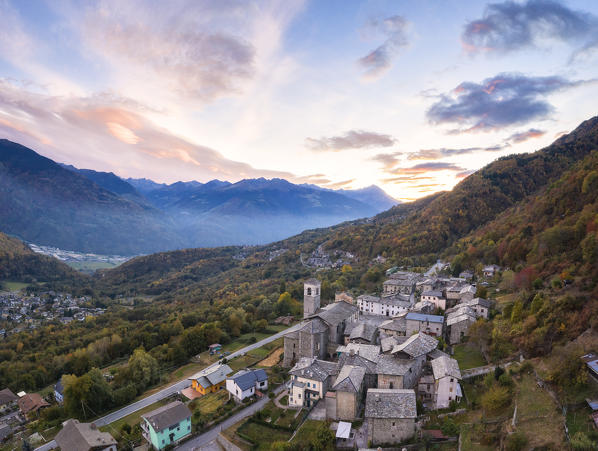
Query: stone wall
[346,405]
[390,430]
[385,381]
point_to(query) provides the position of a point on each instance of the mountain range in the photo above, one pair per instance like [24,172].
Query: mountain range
[89,211]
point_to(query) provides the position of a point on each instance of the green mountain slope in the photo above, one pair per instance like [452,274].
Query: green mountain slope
[18,262]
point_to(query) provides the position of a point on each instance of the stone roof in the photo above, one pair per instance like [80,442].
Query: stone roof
[390,403]
[211,376]
[399,282]
[445,366]
[438,294]
[396,324]
[246,379]
[436,353]
[357,360]
[417,345]
[368,298]
[75,436]
[387,343]
[364,331]
[423,317]
[468,289]
[7,396]
[398,300]
[336,313]
[370,352]
[391,365]
[167,415]
[314,326]
[349,379]
[314,369]
[480,301]
[460,313]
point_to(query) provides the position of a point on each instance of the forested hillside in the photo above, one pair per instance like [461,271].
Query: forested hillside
[18,262]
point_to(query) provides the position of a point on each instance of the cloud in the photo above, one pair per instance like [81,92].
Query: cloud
[107,133]
[498,102]
[435,154]
[388,160]
[510,26]
[423,168]
[353,139]
[379,60]
[463,174]
[520,137]
[189,49]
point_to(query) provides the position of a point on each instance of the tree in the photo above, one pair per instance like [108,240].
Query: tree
[143,369]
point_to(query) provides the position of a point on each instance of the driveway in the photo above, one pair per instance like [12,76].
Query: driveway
[181,385]
[212,434]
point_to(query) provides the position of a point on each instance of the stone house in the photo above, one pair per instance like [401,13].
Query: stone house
[394,327]
[467,293]
[481,307]
[419,322]
[310,380]
[416,348]
[435,297]
[390,415]
[458,323]
[365,356]
[393,372]
[395,285]
[348,389]
[446,381]
[30,404]
[362,332]
[490,270]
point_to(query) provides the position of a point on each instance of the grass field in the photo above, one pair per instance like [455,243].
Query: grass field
[306,433]
[134,418]
[210,402]
[471,435]
[263,435]
[12,285]
[468,356]
[537,416]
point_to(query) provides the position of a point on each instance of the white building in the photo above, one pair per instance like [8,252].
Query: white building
[310,380]
[435,297]
[245,383]
[385,306]
[446,381]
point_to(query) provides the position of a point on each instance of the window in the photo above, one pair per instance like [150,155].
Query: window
[299,396]
[393,423]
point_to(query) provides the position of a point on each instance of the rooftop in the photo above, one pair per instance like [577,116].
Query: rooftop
[423,317]
[349,379]
[417,345]
[391,365]
[390,403]
[445,366]
[167,415]
[314,369]
[336,313]
[246,379]
[76,436]
[211,376]
[438,294]
[370,352]
[396,324]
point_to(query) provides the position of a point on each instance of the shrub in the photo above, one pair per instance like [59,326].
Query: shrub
[516,442]
[582,441]
[496,398]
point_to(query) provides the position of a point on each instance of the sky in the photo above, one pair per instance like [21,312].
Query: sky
[412,96]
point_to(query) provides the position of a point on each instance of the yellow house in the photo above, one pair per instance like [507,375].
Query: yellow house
[210,379]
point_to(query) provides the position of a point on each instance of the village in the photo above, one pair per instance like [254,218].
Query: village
[20,311]
[368,367]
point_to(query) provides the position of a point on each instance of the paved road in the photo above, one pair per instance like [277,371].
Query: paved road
[207,437]
[166,392]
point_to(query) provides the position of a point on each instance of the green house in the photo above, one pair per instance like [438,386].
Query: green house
[166,425]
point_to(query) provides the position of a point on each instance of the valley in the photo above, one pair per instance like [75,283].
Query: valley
[526,249]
